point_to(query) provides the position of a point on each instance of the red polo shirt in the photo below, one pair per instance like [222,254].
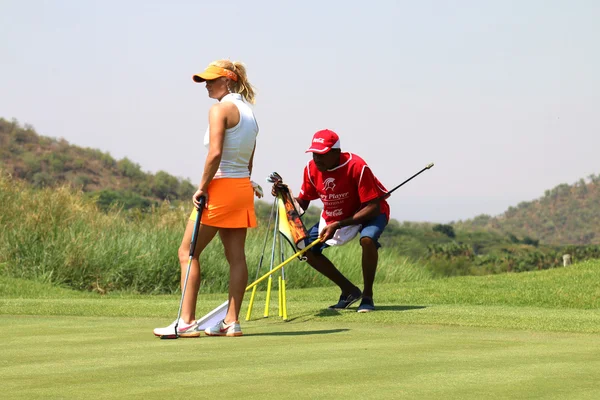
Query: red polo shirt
[345,189]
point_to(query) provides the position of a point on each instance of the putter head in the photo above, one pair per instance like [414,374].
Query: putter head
[173,335]
[169,336]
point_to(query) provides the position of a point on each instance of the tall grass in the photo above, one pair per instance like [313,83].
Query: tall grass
[60,236]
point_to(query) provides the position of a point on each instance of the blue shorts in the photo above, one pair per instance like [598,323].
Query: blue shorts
[371,229]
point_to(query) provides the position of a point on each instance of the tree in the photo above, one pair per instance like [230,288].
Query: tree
[185,189]
[128,168]
[165,186]
[447,230]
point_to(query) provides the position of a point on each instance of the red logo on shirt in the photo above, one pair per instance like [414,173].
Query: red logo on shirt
[334,213]
[328,184]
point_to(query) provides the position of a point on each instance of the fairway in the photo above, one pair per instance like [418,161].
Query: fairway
[406,349]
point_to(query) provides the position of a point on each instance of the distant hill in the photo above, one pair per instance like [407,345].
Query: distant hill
[567,214]
[45,161]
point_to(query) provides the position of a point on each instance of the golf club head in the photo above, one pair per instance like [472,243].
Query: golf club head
[173,335]
[169,336]
[274,178]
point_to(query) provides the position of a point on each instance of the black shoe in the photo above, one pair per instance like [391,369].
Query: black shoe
[346,301]
[366,305]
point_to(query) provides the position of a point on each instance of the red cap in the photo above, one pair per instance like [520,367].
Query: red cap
[323,141]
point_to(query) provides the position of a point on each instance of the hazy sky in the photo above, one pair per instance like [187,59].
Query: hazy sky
[503,96]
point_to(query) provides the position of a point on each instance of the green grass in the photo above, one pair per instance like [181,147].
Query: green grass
[116,358]
[533,335]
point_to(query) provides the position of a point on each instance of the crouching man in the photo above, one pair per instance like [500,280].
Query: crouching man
[353,203]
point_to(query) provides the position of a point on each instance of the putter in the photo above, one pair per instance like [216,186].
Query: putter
[175,334]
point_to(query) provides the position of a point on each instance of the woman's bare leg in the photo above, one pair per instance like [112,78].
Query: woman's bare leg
[234,241]
[205,235]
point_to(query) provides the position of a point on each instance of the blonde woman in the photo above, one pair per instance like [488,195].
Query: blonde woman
[226,186]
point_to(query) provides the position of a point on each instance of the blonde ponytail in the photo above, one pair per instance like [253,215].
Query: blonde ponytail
[242,85]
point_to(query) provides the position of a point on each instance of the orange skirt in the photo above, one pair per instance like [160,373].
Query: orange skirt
[230,204]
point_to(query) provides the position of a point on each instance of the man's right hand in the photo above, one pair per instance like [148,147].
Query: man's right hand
[328,232]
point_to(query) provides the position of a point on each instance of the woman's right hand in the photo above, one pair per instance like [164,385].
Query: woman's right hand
[196,198]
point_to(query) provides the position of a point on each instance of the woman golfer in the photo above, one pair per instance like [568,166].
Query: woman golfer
[229,210]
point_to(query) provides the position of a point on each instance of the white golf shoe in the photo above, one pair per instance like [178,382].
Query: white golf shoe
[183,329]
[223,329]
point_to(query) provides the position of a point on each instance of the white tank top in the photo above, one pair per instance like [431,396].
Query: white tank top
[238,142]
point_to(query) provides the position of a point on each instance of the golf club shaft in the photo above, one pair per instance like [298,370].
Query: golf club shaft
[424,169]
[192,249]
[269,283]
[266,238]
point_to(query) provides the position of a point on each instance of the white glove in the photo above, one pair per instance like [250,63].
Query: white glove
[258,192]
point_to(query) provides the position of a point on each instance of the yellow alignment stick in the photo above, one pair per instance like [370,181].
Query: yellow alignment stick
[268,299]
[279,292]
[283,297]
[277,268]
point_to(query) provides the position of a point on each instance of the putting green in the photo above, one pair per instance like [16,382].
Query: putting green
[330,357]
[524,336]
